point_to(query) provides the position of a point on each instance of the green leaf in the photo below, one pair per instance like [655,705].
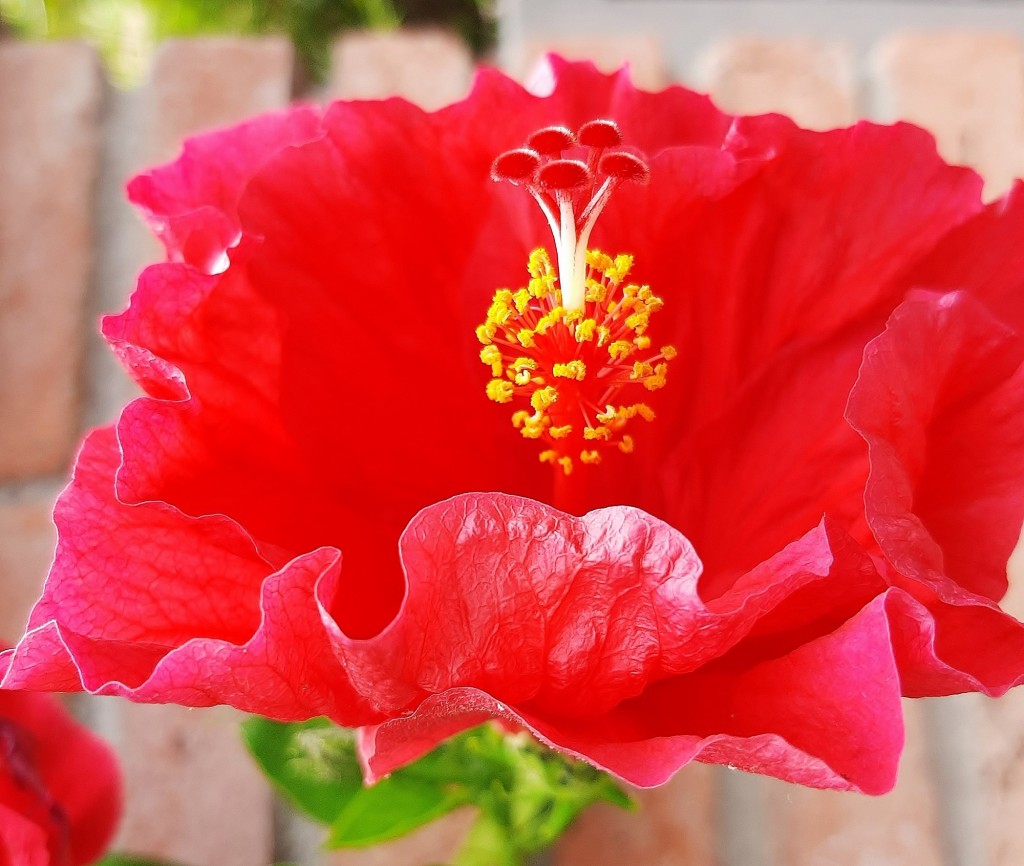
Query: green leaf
[527,794]
[131,860]
[313,764]
[391,808]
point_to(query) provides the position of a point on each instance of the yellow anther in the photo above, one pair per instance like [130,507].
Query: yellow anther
[541,287]
[542,398]
[596,292]
[620,349]
[585,330]
[657,379]
[501,309]
[485,332]
[644,411]
[572,370]
[548,320]
[491,355]
[623,265]
[599,261]
[532,430]
[525,337]
[639,321]
[538,354]
[539,264]
[500,390]
[530,426]
[520,370]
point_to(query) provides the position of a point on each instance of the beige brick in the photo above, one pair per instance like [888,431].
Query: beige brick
[192,794]
[429,67]
[968,89]
[195,85]
[674,825]
[815,828]
[1002,747]
[200,84]
[1013,602]
[811,81]
[50,96]
[27,539]
[643,53]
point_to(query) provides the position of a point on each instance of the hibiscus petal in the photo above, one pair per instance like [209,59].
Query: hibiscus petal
[562,617]
[985,257]
[75,769]
[129,572]
[511,596]
[804,249]
[191,203]
[939,401]
[827,715]
[146,602]
[22,841]
[652,122]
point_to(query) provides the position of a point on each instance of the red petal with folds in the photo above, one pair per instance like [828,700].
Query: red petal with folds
[591,631]
[60,789]
[828,715]
[770,312]
[574,615]
[985,257]
[145,573]
[939,401]
[191,203]
[146,602]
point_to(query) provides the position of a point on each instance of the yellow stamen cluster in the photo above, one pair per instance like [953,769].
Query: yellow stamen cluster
[570,367]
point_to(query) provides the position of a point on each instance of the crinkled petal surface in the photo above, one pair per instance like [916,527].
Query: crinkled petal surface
[594,633]
[817,521]
[198,618]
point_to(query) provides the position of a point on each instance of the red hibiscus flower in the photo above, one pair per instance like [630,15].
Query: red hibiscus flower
[60,791]
[724,491]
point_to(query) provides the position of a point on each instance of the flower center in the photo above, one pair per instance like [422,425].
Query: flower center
[572,344]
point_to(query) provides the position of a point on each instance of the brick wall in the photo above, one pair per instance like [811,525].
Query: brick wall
[70,248]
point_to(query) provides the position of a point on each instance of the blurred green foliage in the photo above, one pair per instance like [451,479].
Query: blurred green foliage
[126,31]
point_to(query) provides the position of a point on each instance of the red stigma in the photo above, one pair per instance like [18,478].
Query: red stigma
[563,174]
[599,134]
[551,140]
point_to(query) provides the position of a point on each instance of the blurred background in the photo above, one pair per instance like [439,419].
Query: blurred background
[93,90]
